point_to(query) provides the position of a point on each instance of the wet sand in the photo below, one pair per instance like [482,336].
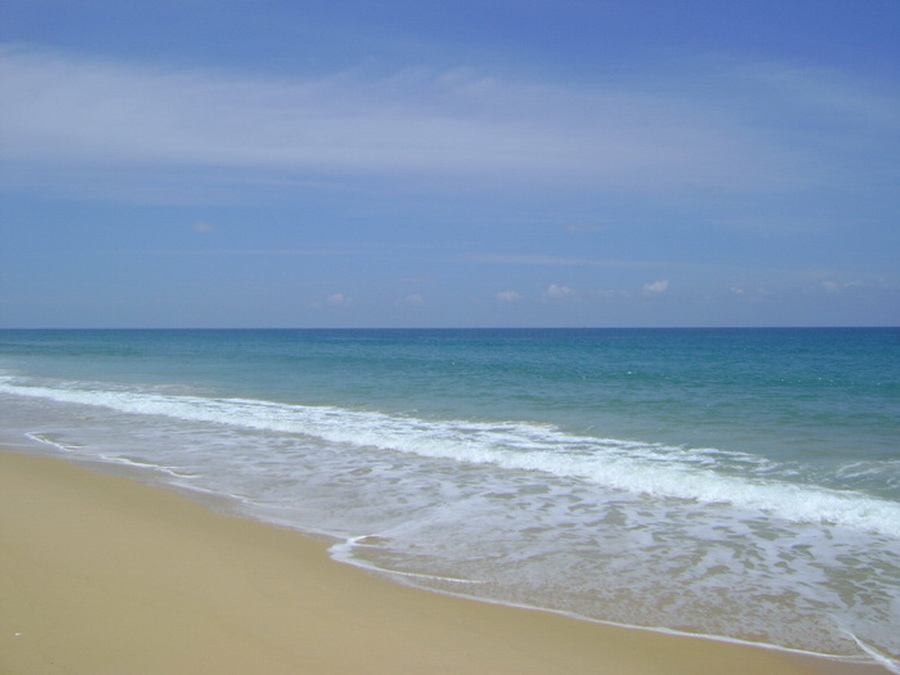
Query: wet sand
[103,574]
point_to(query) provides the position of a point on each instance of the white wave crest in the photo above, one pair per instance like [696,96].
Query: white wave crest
[658,470]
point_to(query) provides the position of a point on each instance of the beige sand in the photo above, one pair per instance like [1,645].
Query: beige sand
[101,574]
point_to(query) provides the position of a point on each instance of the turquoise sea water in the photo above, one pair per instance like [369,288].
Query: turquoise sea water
[737,483]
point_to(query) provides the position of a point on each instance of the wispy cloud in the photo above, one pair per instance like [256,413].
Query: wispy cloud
[338,299]
[64,111]
[414,300]
[251,252]
[556,292]
[656,287]
[525,259]
[829,93]
[509,296]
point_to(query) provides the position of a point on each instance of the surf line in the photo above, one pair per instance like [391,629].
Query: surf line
[341,552]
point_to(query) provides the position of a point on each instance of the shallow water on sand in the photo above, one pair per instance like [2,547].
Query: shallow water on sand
[743,484]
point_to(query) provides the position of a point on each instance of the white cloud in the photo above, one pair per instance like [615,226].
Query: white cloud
[414,300]
[835,287]
[555,292]
[337,299]
[828,93]
[205,228]
[656,287]
[508,296]
[62,111]
[609,294]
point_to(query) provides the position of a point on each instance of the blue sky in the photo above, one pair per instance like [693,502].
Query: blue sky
[215,163]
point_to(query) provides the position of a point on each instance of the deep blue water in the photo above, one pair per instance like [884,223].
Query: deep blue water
[741,483]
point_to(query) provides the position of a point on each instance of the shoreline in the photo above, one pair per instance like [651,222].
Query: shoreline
[102,573]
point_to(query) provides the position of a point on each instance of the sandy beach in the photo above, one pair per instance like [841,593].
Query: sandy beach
[103,574]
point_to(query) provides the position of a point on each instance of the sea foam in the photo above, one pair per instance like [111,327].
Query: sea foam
[517,512]
[704,475]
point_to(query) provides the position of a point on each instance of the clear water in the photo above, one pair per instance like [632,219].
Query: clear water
[737,483]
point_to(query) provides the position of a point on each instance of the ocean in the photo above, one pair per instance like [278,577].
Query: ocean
[741,484]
